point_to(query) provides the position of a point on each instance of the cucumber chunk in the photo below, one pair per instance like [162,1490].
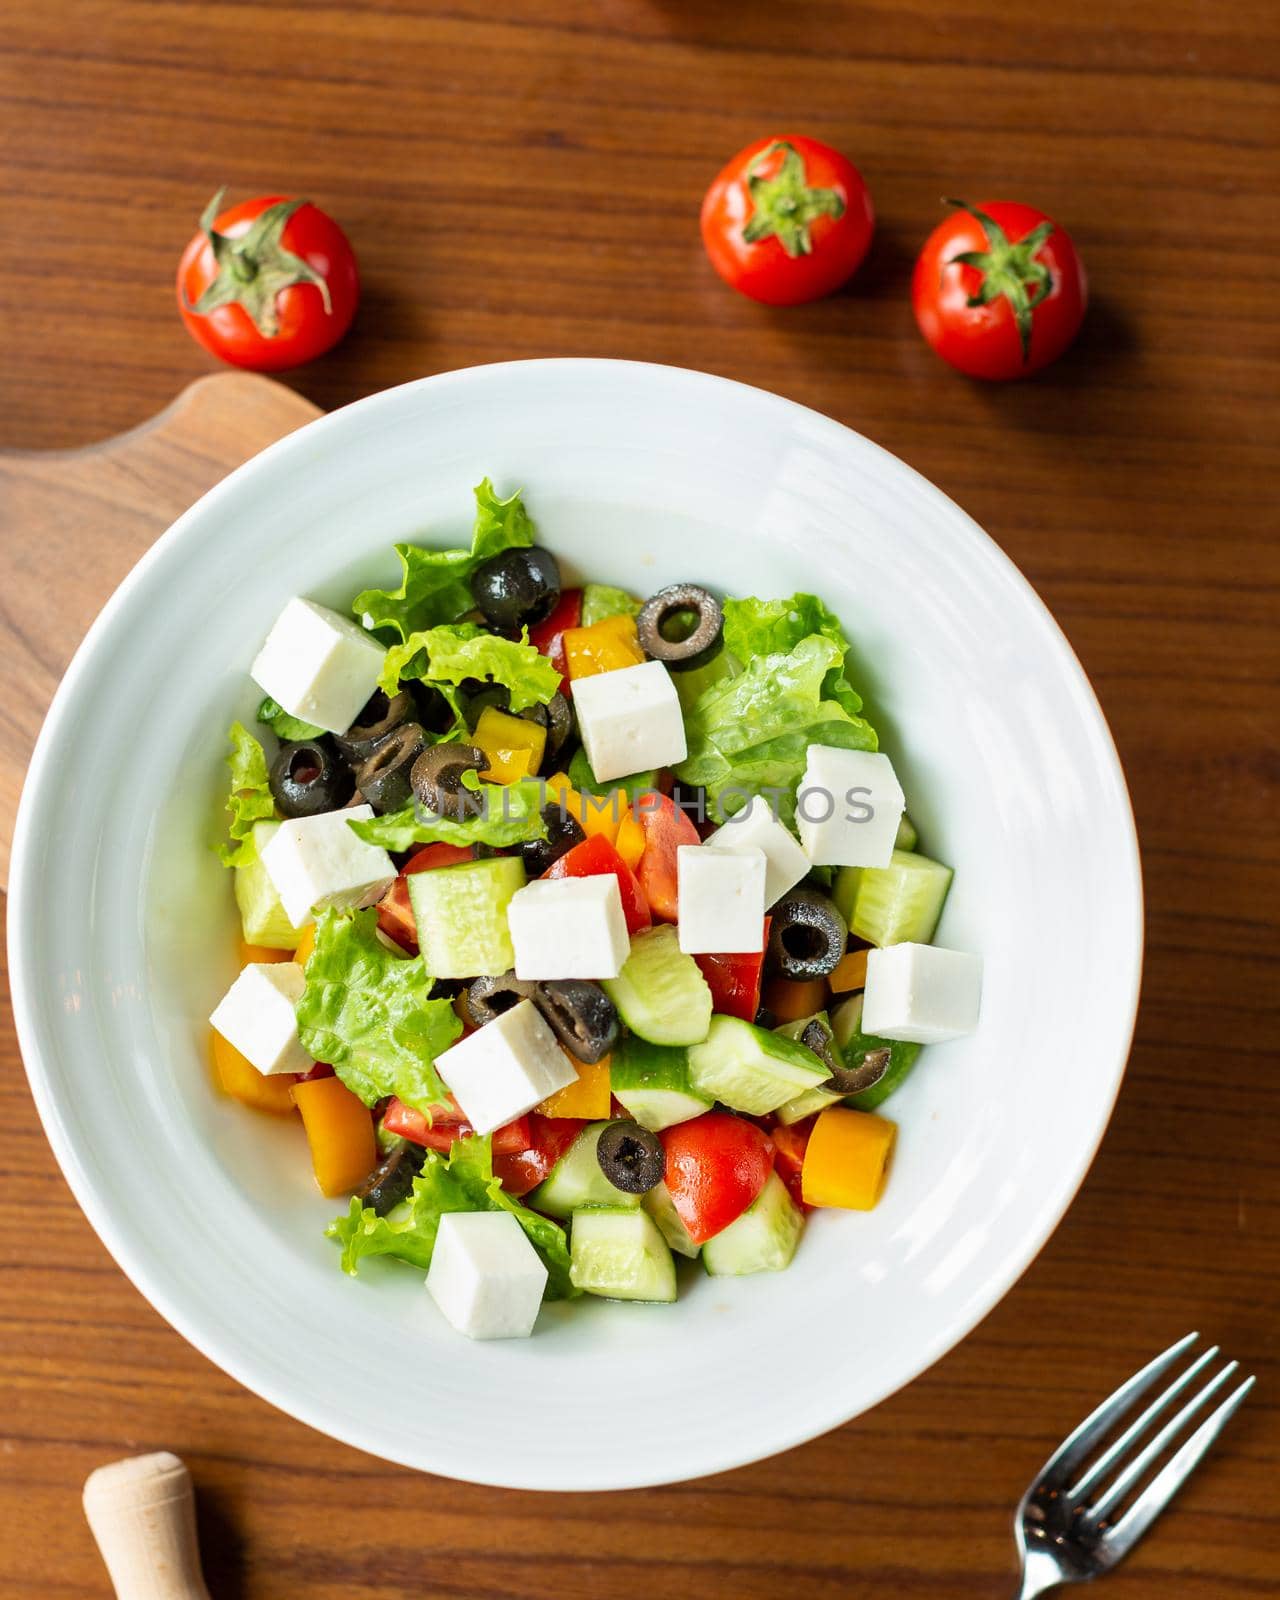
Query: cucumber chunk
[897,904]
[853,1044]
[750,1069]
[601,600]
[652,1082]
[576,1180]
[907,838]
[620,1254]
[263,918]
[660,992]
[461,913]
[808,1100]
[763,1239]
[661,1207]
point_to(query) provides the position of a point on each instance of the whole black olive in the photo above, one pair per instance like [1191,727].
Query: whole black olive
[380,716]
[583,1016]
[308,777]
[808,935]
[631,1157]
[563,832]
[682,626]
[436,780]
[488,998]
[517,587]
[391,1180]
[383,777]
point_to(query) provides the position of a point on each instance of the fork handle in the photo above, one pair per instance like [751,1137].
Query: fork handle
[1040,1573]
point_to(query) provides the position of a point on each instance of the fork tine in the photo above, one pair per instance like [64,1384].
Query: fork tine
[1162,1488]
[1152,1453]
[1076,1446]
[1117,1452]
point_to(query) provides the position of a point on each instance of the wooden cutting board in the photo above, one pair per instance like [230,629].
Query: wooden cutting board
[73,522]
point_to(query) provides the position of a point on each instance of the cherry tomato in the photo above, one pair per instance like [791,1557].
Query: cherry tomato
[666,828]
[596,856]
[999,290]
[395,914]
[789,1146]
[549,1138]
[548,636]
[734,980]
[788,220]
[446,1124]
[716,1165]
[268,284]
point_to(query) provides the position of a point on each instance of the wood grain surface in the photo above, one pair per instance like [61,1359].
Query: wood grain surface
[524,180]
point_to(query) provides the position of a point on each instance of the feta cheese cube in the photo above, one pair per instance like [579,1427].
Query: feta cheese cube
[630,720]
[848,807]
[319,665]
[256,1016]
[922,993]
[317,861]
[569,928]
[506,1068]
[756,827]
[485,1276]
[721,899]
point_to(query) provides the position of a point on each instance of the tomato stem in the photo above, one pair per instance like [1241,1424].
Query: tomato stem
[253,268]
[1008,270]
[784,204]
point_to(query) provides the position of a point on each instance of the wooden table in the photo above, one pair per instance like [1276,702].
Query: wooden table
[524,180]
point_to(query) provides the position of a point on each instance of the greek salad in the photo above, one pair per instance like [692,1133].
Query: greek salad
[580,931]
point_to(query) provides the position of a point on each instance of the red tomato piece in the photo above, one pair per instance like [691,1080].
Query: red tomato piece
[666,828]
[734,980]
[549,1138]
[320,1070]
[446,1124]
[548,636]
[268,284]
[716,1166]
[395,914]
[788,220]
[789,1146]
[596,856]
[999,290]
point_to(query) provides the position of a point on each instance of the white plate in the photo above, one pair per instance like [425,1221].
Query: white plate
[122,931]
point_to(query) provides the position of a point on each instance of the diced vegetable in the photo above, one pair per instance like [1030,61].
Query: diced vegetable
[577,1179]
[306,944]
[619,1253]
[734,980]
[548,636]
[589,1097]
[340,1132]
[851,973]
[651,1081]
[461,916]
[604,647]
[598,815]
[630,841]
[263,918]
[763,1239]
[846,1160]
[395,914]
[855,1046]
[750,1069]
[240,1079]
[660,994]
[907,838]
[789,1145]
[716,1166]
[600,600]
[897,904]
[789,1000]
[666,828]
[258,954]
[512,746]
[658,1203]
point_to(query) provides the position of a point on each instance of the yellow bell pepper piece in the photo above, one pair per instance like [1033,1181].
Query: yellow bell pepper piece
[239,1078]
[846,1161]
[306,944]
[790,999]
[590,1096]
[603,647]
[850,973]
[259,952]
[630,841]
[340,1132]
[594,813]
[513,746]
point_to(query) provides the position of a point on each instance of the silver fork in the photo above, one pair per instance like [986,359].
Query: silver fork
[1070,1526]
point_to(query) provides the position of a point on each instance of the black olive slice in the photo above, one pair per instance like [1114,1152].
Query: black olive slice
[563,832]
[583,1016]
[436,780]
[383,777]
[517,588]
[308,777]
[696,643]
[391,1180]
[631,1157]
[488,998]
[380,715]
[853,1080]
[808,935]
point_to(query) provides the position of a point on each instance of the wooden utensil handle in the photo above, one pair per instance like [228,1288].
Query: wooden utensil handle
[143,1514]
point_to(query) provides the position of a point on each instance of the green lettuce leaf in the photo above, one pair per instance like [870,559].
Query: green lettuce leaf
[463,1182]
[509,813]
[368,1012]
[435,584]
[749,735]
[448,655]
[283,725]
[249,800]
[602,600]
[775,627]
